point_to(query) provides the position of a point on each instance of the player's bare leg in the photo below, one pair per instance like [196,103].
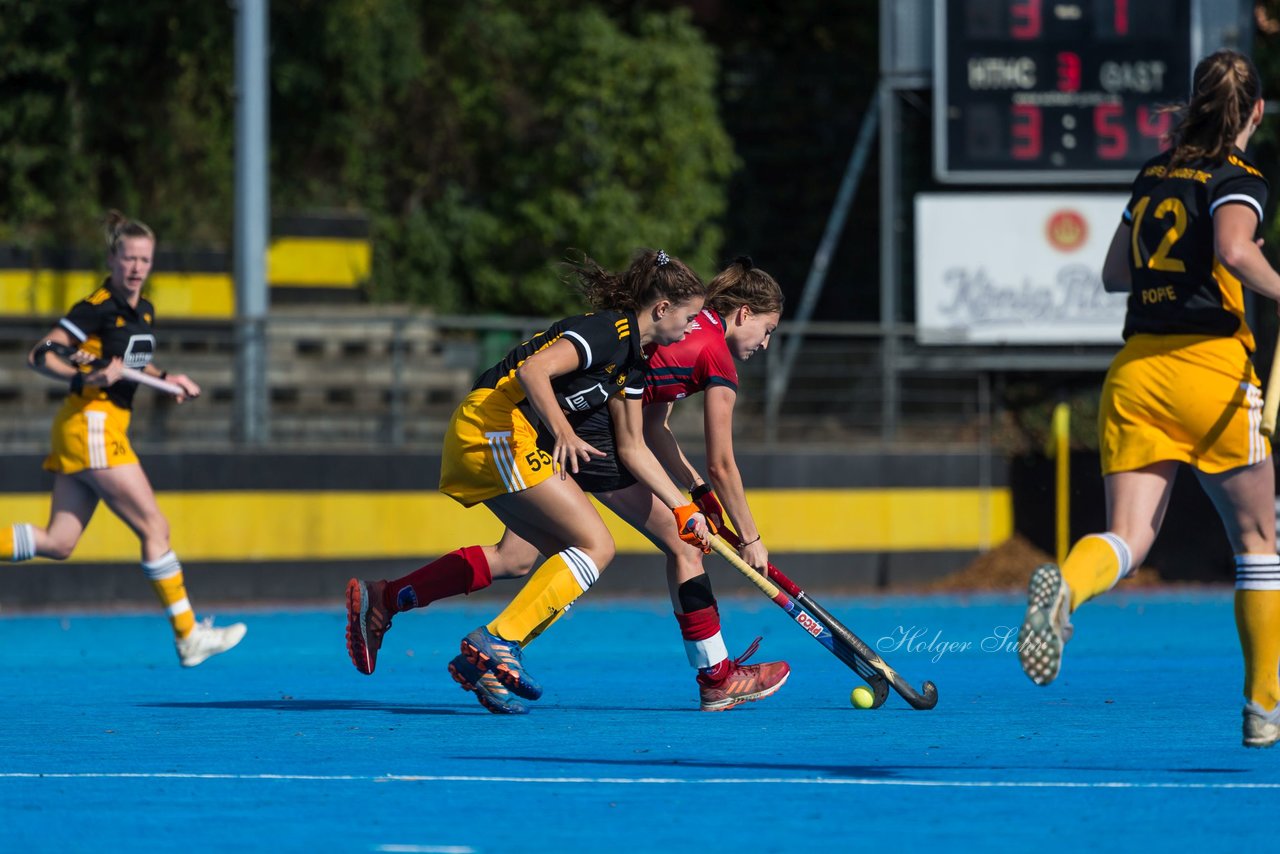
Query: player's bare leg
[723,682]
[1136,504]
[128,493]
[70,509]
[1245,499]
[558,520]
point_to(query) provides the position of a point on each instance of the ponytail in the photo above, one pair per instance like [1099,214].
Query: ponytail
[653,275]
[119,227]
[1225,89]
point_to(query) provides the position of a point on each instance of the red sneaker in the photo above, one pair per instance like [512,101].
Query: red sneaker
[742,683]
[367,621]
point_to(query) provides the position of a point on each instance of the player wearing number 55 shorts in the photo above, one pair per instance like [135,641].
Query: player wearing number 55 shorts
[512,445]
[492,444]
[743,307]
[91,457]
[1183,390]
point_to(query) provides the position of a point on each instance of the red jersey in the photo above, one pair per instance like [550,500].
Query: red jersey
[689,366]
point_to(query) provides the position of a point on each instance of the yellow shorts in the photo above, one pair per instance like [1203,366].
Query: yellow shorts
[490,449]
[89,434]
[1190,398]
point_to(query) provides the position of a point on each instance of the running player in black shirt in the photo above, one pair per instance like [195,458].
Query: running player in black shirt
[743,307]
[1183,388]
[511,445]
[91,457]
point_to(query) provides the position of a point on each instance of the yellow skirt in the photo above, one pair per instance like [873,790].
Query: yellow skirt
[1190,398]
[490,449]
[89,434]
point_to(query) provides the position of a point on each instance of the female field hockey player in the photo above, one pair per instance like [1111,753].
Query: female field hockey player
[91,458]
[743,309]
[512,445]
[1183,388]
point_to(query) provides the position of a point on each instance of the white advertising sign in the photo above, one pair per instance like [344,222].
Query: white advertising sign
[1016,269]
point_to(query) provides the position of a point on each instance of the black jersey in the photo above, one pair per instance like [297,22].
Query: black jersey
[1179,285]
[610,361]
[106,325]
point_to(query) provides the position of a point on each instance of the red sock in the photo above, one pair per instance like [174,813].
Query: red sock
[463,571]
[700,625]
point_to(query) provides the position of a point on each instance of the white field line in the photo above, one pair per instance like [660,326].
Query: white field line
[640,781]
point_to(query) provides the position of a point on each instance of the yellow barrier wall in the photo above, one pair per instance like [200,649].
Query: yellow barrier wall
[292,262]
[306,525]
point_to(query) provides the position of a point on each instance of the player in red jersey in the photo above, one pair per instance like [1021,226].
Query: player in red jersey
[742,311]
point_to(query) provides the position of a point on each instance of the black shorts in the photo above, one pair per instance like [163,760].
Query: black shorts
[607,473]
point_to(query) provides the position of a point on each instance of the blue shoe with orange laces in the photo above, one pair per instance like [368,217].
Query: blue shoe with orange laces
[503,658]
[491,693]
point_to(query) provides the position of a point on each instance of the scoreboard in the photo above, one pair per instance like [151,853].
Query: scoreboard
[1039,91]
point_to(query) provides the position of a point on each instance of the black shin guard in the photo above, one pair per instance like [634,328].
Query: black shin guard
[695,594]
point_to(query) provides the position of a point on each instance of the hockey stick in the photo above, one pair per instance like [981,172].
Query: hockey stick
[1271,397]
[829,631]
[66,351]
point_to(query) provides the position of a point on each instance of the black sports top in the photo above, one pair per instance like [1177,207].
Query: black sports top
[106,325]
[1179,285]
[609,361]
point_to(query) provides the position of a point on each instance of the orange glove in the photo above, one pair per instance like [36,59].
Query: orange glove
[709,505]
[687,525]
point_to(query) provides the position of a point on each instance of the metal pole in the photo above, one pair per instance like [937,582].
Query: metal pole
[251,221]
[890,187]
[780,374]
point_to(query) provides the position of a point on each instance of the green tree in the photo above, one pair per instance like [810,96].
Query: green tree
[484,139]
[537,127]
[103,106]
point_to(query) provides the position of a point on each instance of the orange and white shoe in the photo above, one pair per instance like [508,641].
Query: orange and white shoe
[367,621]
[742,683]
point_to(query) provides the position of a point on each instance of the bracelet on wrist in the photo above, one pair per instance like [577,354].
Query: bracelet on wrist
[699,491]
[164,375]
[751,543]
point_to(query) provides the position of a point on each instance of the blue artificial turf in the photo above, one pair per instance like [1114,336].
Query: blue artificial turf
[282,745]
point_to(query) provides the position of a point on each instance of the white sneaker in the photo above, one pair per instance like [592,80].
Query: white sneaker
[205,640]
[1047,625]
[1261,728]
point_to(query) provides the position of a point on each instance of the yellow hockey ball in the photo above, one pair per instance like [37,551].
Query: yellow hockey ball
[862,698]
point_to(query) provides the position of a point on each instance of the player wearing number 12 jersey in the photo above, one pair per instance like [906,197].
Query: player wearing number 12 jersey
[1183,389]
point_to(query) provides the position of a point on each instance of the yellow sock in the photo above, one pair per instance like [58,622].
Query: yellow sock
[546,596]
[1094,565]
[1258,622]
[543,626]
[165,574]
[18,542]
